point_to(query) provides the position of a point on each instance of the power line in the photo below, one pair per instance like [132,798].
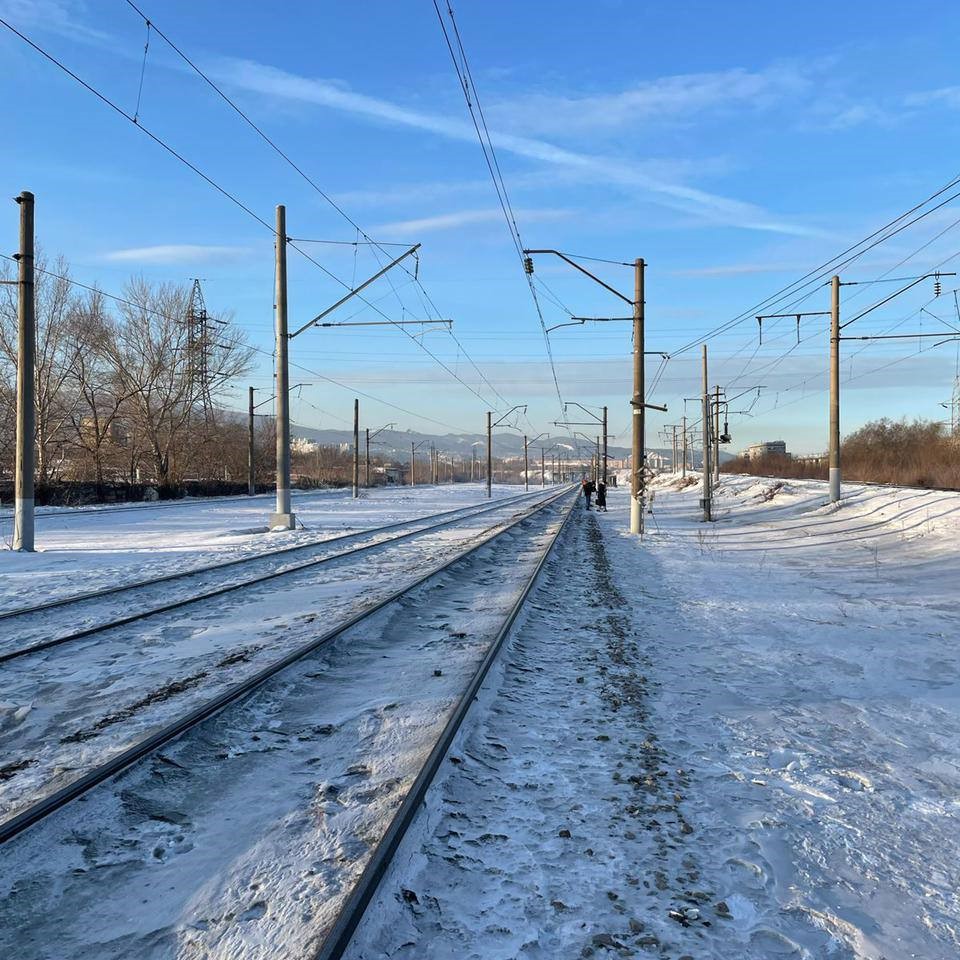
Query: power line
[216,186]
[369,241]
[493,166]
[126,116]
[235,341]
[835,263]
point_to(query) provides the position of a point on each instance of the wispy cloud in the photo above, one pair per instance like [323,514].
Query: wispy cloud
[271,81]
[176,253]
[460,218]
[666,99]
[945,96]
[65,17]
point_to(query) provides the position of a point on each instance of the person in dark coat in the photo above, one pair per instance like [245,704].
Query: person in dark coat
[588,491]
[602,496]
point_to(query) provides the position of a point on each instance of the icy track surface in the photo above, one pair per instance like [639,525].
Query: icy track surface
[240,840]
[741,740]
[100,547]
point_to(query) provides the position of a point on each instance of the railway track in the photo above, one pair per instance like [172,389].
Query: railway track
[272,567]
[43,807]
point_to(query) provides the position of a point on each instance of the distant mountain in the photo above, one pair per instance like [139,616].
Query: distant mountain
[396,444]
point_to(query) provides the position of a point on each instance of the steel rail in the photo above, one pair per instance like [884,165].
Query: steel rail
[55,801]
[223,565]
[49,643]
[338,938]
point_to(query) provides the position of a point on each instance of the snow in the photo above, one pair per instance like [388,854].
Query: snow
[103,693]
[749,729]
[240,840]
[87,548]
[789,768]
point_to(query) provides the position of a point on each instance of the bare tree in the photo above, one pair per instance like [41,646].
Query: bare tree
[149,353]
[56,355]
[96,418]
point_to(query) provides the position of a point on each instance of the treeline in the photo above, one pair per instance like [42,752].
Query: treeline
[915,453]
[118,393]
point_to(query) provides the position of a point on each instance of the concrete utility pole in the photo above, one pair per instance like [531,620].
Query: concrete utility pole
[489,453]
[604,469]
[282,517]
[638,402]
[23,522]
[543,472]
[835,390]
[683,470]
[366,459]
[706,500]
[356,448]
[673,456]
[597,474]
[413,453]
[716,437]
[637,475]
[251,477]
[526,465]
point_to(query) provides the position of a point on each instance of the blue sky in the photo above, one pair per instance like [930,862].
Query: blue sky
[733,146]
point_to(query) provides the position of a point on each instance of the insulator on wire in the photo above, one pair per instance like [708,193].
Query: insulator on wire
[937,288]
[528,265]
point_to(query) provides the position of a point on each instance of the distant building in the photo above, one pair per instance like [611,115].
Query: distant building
[392,473]
[303,445]
[770,448]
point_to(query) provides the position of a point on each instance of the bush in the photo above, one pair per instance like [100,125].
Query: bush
[913,453]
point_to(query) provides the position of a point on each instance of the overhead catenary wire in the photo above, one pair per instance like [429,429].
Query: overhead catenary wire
[834,264]
[107,101]
[235,341]
[471,96]
[368,240]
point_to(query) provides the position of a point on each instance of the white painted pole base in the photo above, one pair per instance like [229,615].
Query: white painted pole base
[23,525]
[282,517]
[834,484]
[636,516]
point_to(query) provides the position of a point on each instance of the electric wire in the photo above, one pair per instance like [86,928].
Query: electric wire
[834,264]
[239,342]
[210,181]
[467,85]
[297,168]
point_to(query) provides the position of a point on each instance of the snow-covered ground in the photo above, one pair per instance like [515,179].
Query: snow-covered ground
[87,549]
[739,740]
[241,839]
[734,740]
[69,707]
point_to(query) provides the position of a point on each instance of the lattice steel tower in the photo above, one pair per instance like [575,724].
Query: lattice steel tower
[198,350]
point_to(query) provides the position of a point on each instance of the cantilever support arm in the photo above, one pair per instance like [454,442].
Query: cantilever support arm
[584,270]
[366,283]
[519,406]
